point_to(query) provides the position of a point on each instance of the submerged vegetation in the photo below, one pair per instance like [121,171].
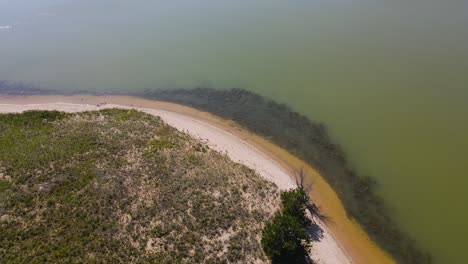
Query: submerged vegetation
[122,186]
[309,141]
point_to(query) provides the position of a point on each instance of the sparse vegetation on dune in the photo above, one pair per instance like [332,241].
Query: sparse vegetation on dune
[122,186]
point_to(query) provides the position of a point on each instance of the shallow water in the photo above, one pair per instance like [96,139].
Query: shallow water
[390,80]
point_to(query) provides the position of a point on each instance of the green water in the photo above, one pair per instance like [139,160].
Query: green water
[389,79]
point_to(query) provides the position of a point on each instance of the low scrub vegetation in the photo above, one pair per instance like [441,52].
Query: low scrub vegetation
[119,186]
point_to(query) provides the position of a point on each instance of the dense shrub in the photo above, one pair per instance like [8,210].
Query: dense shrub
[295,204]
[285,240]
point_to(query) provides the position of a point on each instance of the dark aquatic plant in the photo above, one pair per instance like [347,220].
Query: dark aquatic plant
[20,88]
[309,141]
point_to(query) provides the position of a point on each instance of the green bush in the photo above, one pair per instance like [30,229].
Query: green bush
[295,204]
[285,240]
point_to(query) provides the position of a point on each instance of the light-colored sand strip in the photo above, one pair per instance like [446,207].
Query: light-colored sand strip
[326,251]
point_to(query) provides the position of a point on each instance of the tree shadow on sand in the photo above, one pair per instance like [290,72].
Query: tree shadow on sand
[315,232]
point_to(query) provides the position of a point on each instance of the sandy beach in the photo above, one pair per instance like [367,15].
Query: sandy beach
[344,240]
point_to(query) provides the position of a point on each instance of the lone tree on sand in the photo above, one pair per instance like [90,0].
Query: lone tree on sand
[285,239]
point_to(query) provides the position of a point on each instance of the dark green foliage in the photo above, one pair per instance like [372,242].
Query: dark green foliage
[285,240]
[31,118]
[158,144]
[309,141]
[4,186]
[295,204]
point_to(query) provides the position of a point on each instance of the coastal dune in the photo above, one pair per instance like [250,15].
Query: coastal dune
[342,242]
[325,251]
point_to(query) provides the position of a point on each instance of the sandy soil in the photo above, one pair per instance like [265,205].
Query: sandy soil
[343,241]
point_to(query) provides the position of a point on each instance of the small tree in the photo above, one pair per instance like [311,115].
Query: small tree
[295,204]
[285,240]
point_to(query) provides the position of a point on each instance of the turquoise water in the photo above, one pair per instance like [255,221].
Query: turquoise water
[389,79]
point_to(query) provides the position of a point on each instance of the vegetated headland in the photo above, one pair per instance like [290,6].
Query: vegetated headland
[122,186]
[211,132]
[304,138]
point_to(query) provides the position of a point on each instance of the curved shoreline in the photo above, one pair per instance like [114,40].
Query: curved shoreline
[351,242]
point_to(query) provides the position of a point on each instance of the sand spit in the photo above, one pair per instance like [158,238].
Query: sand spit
[343,242]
